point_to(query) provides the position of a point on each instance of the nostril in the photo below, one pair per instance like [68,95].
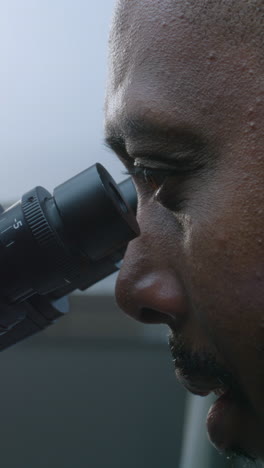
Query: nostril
[152,297]
[152,316]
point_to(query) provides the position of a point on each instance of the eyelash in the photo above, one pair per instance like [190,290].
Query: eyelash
[152,177]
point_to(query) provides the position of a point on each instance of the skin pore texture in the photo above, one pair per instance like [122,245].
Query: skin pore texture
[185,101]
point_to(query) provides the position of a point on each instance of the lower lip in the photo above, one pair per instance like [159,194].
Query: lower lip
[219,421]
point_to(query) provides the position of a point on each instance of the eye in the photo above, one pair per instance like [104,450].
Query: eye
[172,187]
[154,178]
[170,195]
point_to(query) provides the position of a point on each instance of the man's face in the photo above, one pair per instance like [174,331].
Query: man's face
[188,105]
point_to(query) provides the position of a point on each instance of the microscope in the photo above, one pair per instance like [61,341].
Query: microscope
[51,245]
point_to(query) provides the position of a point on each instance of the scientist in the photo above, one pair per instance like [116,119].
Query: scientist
[185,114]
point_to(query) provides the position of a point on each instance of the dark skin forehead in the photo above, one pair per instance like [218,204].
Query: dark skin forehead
[169,71]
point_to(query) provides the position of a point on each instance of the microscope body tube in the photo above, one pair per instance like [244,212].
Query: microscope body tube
[52,245]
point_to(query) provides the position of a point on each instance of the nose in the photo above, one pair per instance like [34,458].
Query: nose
[150,287]
[150,295]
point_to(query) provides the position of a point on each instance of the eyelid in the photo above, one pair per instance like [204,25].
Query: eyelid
[151,164]
[176,167]
[171,162]
[151,167]
[140,170]
[154,178]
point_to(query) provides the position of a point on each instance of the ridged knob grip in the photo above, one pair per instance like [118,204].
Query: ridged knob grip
[46,237]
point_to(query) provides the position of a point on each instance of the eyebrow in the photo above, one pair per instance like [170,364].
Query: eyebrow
[183,138]
[115,142]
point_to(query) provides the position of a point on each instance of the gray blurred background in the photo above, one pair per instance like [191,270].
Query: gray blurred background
[97,389]
[53,70]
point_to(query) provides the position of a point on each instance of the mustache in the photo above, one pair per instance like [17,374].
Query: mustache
[205,365]
[200,364]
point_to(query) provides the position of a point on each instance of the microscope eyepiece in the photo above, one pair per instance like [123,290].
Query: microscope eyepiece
[68,240]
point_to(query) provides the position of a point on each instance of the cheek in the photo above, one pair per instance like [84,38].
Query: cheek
[223,244]
[224,263]
[225,280]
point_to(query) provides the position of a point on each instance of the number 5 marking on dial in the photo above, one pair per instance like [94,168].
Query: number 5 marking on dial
[17,224]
